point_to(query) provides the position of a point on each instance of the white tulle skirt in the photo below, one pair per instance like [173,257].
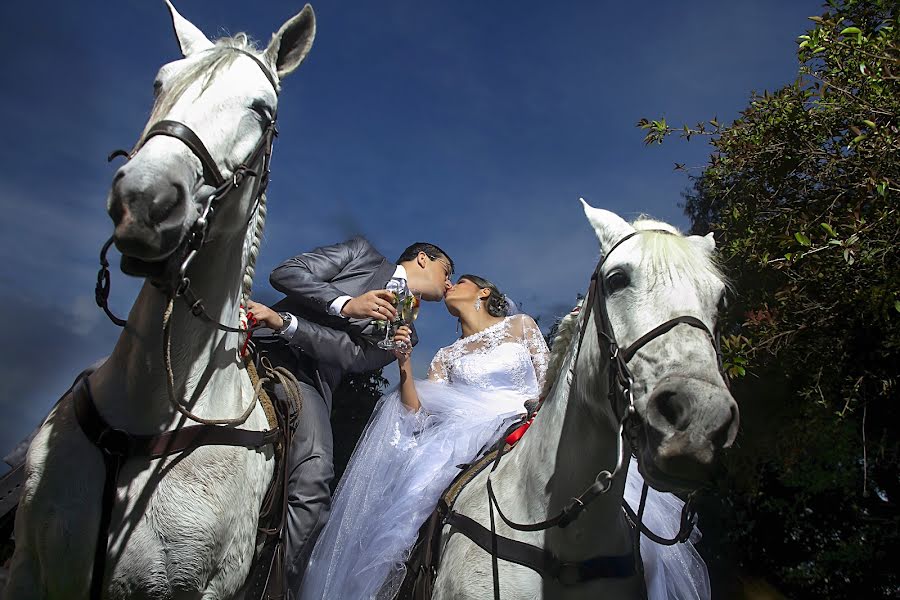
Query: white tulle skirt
[402,464]
[672,572]
[400,467]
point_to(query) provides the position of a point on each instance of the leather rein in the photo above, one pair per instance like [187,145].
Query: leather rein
[621,400]
[118,446]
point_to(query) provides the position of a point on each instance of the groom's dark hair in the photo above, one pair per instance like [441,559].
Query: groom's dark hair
[430,250]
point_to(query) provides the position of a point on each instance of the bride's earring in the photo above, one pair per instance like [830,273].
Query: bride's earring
[477,304]
[457,325]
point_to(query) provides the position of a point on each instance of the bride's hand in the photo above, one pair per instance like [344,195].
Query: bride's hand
[403,336]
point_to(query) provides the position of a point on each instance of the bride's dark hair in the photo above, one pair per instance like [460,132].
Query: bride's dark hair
[496,303]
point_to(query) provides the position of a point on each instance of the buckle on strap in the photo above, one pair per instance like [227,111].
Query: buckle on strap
[115,442]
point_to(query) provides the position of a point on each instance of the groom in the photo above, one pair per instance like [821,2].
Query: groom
[325,331]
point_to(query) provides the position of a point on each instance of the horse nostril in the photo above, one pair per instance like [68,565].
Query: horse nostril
[672,407]
[719,437]
[166,202]
[116,209]
[724,434]
[733,425]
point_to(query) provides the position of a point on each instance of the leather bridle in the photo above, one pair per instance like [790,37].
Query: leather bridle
[119,446]
[257,164]
[621,382]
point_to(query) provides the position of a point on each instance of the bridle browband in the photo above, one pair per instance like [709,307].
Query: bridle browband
[621,400]
[178,284]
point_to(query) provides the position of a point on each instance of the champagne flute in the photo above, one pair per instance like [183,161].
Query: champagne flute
[399,290]
[408,312]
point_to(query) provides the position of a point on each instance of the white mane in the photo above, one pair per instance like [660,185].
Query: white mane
[252,241]
[671,256]
[567,329]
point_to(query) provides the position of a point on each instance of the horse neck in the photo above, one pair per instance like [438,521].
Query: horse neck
[130,389]
[571,440]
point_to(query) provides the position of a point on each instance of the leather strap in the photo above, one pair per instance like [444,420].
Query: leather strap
[541,561]
[266,70]
[687,522]
[182,132]
[659,330]
[117,442]
[118,446]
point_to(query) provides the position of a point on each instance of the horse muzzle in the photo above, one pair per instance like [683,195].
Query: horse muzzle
[149,213]
[686,425]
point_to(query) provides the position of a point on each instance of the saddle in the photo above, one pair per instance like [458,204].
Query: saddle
[421,567]
[267,578]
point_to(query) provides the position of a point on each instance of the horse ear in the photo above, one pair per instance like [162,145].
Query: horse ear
[609,227]
[291,44]
[190,38]
[707,242]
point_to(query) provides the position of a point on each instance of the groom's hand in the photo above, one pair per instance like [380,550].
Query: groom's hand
[377,304]
[265,315]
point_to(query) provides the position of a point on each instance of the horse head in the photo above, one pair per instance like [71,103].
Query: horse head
[683,414]
[213,109]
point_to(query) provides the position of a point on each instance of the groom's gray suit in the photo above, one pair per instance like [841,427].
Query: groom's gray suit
[323,349]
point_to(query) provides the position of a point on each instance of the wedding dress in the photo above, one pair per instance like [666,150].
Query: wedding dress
[405,460]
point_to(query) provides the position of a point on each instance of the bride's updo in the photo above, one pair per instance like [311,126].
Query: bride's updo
[496,304]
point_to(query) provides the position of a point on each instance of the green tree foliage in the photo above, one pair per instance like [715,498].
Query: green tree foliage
[351,406]
[803,192]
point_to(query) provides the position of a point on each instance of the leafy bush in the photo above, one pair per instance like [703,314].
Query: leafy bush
[803,191]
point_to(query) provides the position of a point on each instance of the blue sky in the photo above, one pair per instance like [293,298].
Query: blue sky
[475,125]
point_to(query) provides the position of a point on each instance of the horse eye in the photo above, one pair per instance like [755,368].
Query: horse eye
[723,303]
[157,87]
[261,109]
[616,281]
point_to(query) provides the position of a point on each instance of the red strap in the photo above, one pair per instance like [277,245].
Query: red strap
[251,323]
[516,435]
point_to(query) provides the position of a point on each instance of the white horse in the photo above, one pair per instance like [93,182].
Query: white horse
[184,526]
[683,417]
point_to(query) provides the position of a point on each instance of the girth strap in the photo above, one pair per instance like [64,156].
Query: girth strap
[118,446]
[541,561]
[115,441]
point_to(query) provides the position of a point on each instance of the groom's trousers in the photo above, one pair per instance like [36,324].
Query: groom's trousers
[310,469]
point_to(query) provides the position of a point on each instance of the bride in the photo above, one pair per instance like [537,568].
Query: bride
[417,436]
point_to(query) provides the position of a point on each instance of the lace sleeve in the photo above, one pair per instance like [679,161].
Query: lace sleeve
[438,369]
[534,341]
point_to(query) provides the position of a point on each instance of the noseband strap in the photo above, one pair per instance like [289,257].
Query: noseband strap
[186,135]
[659,330]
